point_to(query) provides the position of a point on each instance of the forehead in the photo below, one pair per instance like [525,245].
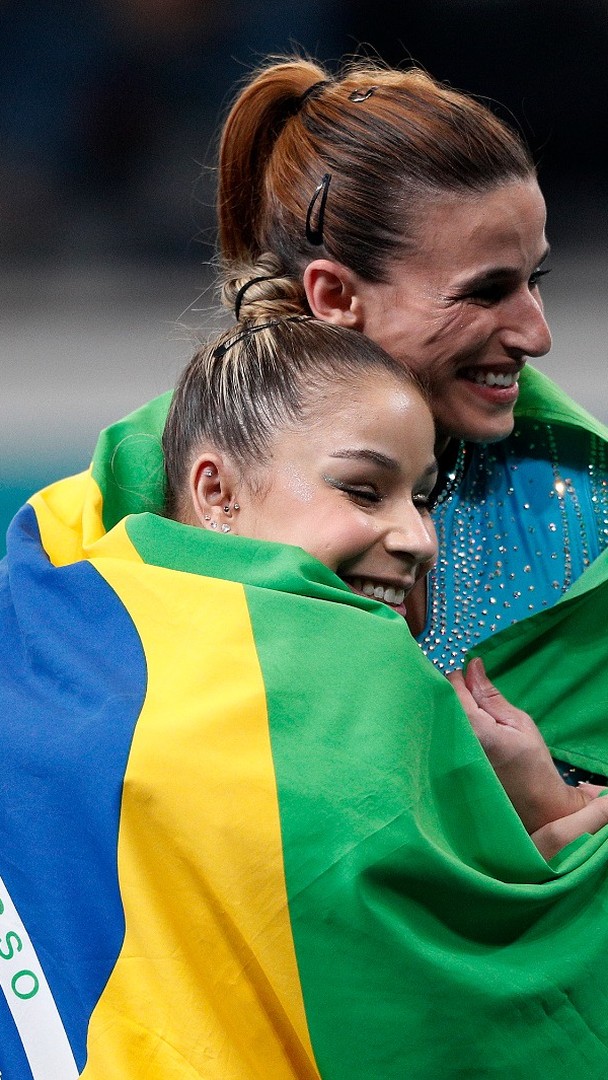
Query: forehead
[504,224]
[377,410]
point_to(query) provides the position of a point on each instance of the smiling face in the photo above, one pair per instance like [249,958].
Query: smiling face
[464,308]
[352,488]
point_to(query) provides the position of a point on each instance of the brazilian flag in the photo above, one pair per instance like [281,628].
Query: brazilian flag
[246,832]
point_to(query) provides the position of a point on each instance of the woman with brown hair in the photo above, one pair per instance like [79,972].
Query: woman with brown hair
[409,211]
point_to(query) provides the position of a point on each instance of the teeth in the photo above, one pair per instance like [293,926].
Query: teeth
[491,378]
[390,594]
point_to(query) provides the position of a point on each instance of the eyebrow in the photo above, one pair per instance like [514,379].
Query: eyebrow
[382,460]
[363,454]
[501,273]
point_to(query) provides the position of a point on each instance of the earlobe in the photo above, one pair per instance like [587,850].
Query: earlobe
[211,491]
[332,292]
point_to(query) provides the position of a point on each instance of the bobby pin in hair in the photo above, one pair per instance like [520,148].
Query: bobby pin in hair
[238,300]
[221,350]
[315,236]
[362,95]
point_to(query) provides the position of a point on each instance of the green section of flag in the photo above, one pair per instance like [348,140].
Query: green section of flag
[432,939]
[128,463]
[541,399]
[261,564]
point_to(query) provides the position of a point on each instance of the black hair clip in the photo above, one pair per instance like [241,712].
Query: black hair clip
[362,95]
[238,300]
[315,236]
[221,349]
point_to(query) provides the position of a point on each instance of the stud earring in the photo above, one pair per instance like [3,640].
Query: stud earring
[227,509]
[226,528]
[236,506]
[206,517]
[208,471]
[213,525]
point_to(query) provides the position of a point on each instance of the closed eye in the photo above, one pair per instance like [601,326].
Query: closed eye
[367,496]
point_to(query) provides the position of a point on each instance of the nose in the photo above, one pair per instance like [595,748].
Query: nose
[412,536]
[527,331]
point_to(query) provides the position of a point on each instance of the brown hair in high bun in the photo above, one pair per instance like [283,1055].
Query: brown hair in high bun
[387,140]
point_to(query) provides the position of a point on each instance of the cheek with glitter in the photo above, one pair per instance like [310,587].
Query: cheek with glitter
[297,485]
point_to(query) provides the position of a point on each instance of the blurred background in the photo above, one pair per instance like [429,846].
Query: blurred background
[109,114]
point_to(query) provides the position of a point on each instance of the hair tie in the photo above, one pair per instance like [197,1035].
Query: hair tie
[238,300]
[313,91]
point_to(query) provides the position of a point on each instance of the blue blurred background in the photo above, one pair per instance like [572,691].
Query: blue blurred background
[109,113]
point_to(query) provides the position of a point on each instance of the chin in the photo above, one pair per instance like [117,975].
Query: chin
[491,433]
[476,429]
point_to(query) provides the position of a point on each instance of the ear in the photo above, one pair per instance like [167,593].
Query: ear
[333,293]
[212,492]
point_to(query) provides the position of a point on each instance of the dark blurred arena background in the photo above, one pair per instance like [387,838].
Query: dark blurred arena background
[109,111]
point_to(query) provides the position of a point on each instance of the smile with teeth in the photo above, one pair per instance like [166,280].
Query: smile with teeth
[493,378]
[388,593]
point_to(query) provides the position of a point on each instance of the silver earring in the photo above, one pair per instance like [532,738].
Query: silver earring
[208,471]
[206,517]
[227,509]
[213,525]
[225,528]
[236,506]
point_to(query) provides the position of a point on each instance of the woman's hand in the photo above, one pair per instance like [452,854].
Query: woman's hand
[553,812]
[554,836]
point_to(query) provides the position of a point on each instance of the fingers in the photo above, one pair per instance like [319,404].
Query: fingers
[464,696]
[590,791]
[553,837]
[484,725]
[457,680]
[489,697]
[484,692]
[553,813]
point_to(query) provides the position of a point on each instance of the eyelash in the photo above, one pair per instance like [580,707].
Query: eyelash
[423,503]
[358,494]
[537,275]
[368,498]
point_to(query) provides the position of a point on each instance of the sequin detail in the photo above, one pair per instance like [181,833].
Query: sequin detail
[517,523]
